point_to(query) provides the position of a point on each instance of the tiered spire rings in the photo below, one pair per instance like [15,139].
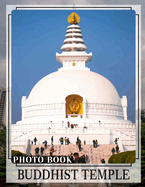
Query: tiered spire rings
[73,41]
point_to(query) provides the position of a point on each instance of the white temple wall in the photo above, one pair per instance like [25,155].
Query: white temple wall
[124,106]
[75,64]
[24,106]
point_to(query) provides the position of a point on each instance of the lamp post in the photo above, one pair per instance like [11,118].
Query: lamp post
[51,123]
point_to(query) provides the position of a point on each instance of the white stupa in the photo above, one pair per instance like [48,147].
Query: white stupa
[74,94]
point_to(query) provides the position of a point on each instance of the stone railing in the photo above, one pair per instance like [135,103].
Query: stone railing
[71,131]
[123,135]
[128,142]
[83,131]
[44,109]
[95,108]
[64,124]
[58,109]
[90,153]
[111,125]
[34,125]
[58,149]
[126,139]
[24,135]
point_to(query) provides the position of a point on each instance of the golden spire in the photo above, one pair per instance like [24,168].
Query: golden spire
[73,18]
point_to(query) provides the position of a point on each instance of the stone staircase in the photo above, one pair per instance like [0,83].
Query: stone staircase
[94,154]
[102,151]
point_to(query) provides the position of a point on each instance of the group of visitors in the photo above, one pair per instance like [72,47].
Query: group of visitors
[76,159]
[35,140]
[116,149]
[45,142]
[95,143]
[71,125]
[41,149]
[64,140]
[37,149]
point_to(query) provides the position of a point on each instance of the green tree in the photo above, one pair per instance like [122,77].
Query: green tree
[143,115]
[2,151]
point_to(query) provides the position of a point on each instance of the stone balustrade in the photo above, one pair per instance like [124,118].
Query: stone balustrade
[64,124]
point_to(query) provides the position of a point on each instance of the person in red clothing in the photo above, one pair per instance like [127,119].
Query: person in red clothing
[51,153]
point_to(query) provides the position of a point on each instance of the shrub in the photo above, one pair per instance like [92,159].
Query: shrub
[111,159]
[124,157]
[132,160]
[131,157]
[17,153]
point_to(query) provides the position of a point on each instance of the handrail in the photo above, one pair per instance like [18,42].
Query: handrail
[21,135]
[132,136]
[58,148]
[91,158]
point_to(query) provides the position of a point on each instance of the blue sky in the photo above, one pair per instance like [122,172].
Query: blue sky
[38,34]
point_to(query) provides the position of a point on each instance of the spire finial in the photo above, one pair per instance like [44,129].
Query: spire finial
[73,18]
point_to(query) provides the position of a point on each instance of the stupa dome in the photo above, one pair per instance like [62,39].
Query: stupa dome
[55,87]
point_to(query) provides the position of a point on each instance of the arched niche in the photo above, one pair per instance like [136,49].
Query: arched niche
[74,105]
